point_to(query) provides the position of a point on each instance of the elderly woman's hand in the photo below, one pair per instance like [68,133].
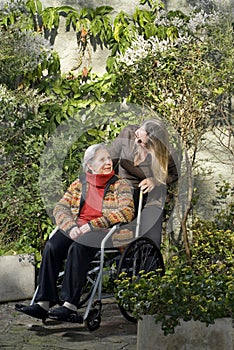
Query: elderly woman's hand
[147,184]
[75,233]
[85,228]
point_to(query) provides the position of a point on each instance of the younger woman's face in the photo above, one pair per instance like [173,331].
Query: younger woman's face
[102,163]
[141,137]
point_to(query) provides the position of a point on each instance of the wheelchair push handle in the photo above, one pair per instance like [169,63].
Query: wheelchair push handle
[139,214]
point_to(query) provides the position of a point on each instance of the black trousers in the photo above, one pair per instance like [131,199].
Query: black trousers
[152,214]
[78,258]
[151,224]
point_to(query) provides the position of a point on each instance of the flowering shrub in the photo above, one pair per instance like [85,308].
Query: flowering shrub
[20,55]
[201,291]
[183,71]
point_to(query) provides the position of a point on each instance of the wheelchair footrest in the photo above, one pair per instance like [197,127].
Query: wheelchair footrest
[74,318]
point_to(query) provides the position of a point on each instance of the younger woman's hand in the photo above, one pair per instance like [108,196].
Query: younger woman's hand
[147,184]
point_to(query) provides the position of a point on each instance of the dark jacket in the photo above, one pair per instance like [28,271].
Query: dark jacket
[122,154]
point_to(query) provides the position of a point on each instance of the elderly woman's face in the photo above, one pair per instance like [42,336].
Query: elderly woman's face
[102,163]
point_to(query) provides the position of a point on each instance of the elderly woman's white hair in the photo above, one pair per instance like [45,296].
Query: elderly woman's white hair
[90,154]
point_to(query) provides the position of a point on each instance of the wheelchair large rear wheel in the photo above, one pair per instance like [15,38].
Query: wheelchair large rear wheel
[141,255]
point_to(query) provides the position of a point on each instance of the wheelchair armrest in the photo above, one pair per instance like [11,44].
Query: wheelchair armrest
[53,232]
[108,235]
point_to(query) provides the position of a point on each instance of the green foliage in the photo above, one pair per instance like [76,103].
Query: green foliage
[31,116]
[21,144]
[212,249]
[94,26]
[223,212]
[185,72]
[179,294]
[15,13]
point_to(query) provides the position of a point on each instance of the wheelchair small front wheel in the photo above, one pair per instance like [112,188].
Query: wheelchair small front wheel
[141,255]
[93,320]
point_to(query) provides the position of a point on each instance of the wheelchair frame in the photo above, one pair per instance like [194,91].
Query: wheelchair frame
[98,284]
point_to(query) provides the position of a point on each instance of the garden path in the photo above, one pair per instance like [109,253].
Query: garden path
[20,332]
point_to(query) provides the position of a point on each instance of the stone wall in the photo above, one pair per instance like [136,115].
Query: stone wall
[65,42]
[215,165]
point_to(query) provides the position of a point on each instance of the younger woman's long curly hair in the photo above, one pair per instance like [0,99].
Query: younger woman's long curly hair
[158,146]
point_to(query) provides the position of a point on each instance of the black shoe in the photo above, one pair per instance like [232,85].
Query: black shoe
[64,314]
[34,310]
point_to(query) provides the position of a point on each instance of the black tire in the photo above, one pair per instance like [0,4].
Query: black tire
[93,320]
[141,255]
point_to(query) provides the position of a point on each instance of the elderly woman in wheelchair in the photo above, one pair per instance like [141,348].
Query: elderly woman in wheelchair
[93,203]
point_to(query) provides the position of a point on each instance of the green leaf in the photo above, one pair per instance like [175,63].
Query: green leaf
[67,9]
[117,29]
[103,10]
[39,6]
[31,4]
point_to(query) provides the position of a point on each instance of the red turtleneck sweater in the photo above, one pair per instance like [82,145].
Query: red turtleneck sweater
[92,207]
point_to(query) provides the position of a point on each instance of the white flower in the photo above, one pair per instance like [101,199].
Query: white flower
[187,31]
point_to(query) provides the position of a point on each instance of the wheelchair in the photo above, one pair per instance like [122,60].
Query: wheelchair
[141,254]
